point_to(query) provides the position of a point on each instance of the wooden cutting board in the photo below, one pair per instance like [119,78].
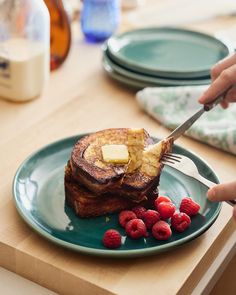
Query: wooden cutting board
[66,272]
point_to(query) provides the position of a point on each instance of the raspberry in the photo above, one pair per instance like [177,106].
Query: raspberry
[136,228]
[126,216]
[188,206]
[166,209]
[139,211]
[161,199]
[180,221]
[150,217]
[112,239]
[161,230]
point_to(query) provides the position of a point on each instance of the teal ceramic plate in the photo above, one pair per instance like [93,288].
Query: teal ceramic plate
[129,82]
[38,192]
[116,70]
[167,52]
[138,83]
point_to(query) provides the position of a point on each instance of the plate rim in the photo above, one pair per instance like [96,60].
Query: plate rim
[106,252]
[133,83]
[161,72]
[125,73]
[128,82]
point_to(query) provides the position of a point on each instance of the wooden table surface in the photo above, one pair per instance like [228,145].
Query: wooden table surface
[80,98]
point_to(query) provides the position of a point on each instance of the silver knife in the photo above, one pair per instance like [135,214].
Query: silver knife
[189,122]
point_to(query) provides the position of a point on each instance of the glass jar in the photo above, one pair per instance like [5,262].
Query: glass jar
[60,41]
[99,19]
[24,48]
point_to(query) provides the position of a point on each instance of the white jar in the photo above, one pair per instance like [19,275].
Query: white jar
[24,48]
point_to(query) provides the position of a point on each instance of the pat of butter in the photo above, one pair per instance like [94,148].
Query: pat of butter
[115,153]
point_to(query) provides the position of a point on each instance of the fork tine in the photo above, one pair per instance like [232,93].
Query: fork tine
[166,161]
[172,157]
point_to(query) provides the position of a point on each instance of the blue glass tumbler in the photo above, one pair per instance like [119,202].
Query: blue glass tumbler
[99,19]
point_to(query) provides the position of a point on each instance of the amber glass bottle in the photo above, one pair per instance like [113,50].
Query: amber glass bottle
[60,38]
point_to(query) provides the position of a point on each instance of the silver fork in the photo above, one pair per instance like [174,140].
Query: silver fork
[188,167]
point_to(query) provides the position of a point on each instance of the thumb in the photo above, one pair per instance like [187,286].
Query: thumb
[222,192]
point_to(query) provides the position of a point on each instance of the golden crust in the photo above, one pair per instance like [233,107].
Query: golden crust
[106,177]
[99,177]
[86,204]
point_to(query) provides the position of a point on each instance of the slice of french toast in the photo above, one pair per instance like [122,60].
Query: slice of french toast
[86,204]
[134,179]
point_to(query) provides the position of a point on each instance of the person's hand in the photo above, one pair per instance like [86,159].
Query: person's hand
[223,76]
[223,192]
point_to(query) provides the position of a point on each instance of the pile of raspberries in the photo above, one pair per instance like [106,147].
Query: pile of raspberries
[139,222]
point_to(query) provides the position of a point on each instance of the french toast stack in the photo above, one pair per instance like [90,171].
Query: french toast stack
[95,186]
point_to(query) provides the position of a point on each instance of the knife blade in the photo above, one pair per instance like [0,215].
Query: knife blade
[180,130]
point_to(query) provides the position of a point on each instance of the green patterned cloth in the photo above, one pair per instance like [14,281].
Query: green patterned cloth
[171,106]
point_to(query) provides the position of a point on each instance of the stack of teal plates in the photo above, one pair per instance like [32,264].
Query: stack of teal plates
[162,56]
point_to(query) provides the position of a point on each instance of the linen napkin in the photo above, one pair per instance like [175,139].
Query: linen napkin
[171,106]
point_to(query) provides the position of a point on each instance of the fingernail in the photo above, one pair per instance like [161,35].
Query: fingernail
[211,195]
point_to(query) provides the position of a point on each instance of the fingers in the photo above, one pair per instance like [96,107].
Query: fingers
[231,95]
[222,75]
[222,65]
[226,79]
[224,104]
[222,192]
